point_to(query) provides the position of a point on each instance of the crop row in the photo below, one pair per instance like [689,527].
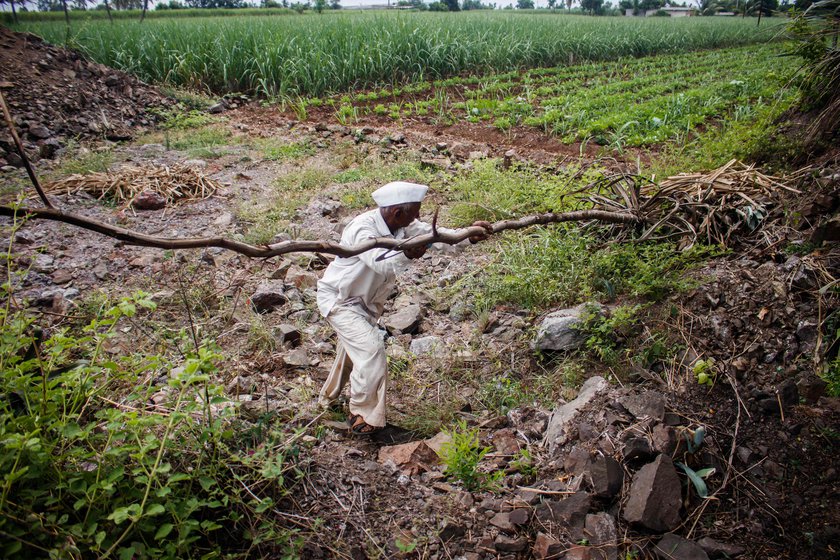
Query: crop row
[285,57]
[632,102]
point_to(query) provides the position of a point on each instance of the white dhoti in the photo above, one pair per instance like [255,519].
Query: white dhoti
[360,358]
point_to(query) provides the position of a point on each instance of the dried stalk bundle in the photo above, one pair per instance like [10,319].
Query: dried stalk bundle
[733,200]
[175,183]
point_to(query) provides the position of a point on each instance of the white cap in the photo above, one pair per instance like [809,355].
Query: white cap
[399,192]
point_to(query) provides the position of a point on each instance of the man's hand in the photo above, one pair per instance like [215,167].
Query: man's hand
[481,236]
[415,253]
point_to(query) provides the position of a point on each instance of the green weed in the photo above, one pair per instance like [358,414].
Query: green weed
[462,455]
[273,150]
[85,162]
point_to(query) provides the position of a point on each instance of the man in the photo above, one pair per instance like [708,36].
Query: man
[352,295]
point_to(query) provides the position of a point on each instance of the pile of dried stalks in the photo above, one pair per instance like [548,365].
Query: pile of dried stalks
[175,183]
[734,199]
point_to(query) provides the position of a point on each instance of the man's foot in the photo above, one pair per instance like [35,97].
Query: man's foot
[360,427]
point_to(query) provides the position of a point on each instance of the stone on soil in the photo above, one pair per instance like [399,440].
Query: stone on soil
[297,358]
[558,432]
[404,321]
[606,476]
[411,458]
[504,543]
[268,296]
[427,345]
[649,403]
[546,547]
[655,496]
[717,549]
[674,547]
[300,278]
[557,331]
[602,535]
[287,334]
[148,200]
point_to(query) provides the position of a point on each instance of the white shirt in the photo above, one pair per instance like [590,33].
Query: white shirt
[362,279]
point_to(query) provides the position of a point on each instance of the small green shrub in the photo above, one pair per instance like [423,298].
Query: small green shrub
[462,455]
[605,331]
[173,120]
[85,162]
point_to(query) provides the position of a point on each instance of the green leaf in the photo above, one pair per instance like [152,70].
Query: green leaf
[696,480]
[163,531]
[154,509]
[707,472]
[127,553]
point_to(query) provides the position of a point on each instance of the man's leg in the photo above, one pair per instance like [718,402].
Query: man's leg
[364,345]
[338,377]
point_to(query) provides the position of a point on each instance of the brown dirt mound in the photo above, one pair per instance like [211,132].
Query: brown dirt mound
[55,94]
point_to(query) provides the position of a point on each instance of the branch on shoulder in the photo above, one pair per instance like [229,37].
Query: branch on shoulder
[478,231]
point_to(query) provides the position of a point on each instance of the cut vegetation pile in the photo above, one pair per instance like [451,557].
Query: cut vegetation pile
[124,186]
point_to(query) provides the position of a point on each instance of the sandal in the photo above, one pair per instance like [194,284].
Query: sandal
[362,428]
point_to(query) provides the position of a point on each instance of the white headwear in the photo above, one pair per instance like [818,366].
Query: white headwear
[399,192]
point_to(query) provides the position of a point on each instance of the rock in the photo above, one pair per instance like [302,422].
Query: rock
[268,296]
[531,422]
[24,238]
[557,432]
[606,476]
[557,331]
[300,278]
[602,535]
[508,544]
[101,271]
[502,521]
[282,268]
[217,108]
[297,358]
[148,200]
[649,403]
[405,321]
[398,138]
[14,160]
[520,516]
[43,263]
[546,547]
[636,448]
[577,461]
[62,276]
[223,220]
[716,549]
[411,458]
[477,154]
[287,334]
[505,442]
[664,439]
[569,513]
[39,132]
[451,530]
[196,163]
[48,148]
[655,496]
[437,442]
[435,164]
[811,388]
[427,345]
[674,547]
[326,207]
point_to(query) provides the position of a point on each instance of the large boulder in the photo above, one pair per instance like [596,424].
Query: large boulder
[559,331]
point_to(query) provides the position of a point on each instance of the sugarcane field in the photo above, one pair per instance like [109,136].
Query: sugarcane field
[440,281]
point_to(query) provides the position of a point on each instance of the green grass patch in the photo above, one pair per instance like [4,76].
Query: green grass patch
[279,151]
[85,162]
[178,120]
[562,266]
[489,192]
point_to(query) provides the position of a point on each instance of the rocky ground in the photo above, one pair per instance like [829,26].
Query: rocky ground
[601,473]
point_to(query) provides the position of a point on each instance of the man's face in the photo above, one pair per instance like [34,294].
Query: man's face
[405,216]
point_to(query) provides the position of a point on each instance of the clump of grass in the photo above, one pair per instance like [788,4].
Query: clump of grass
[86,162]
[560,266]
[278,151]
[200,138]
[179,120]
[490,192]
